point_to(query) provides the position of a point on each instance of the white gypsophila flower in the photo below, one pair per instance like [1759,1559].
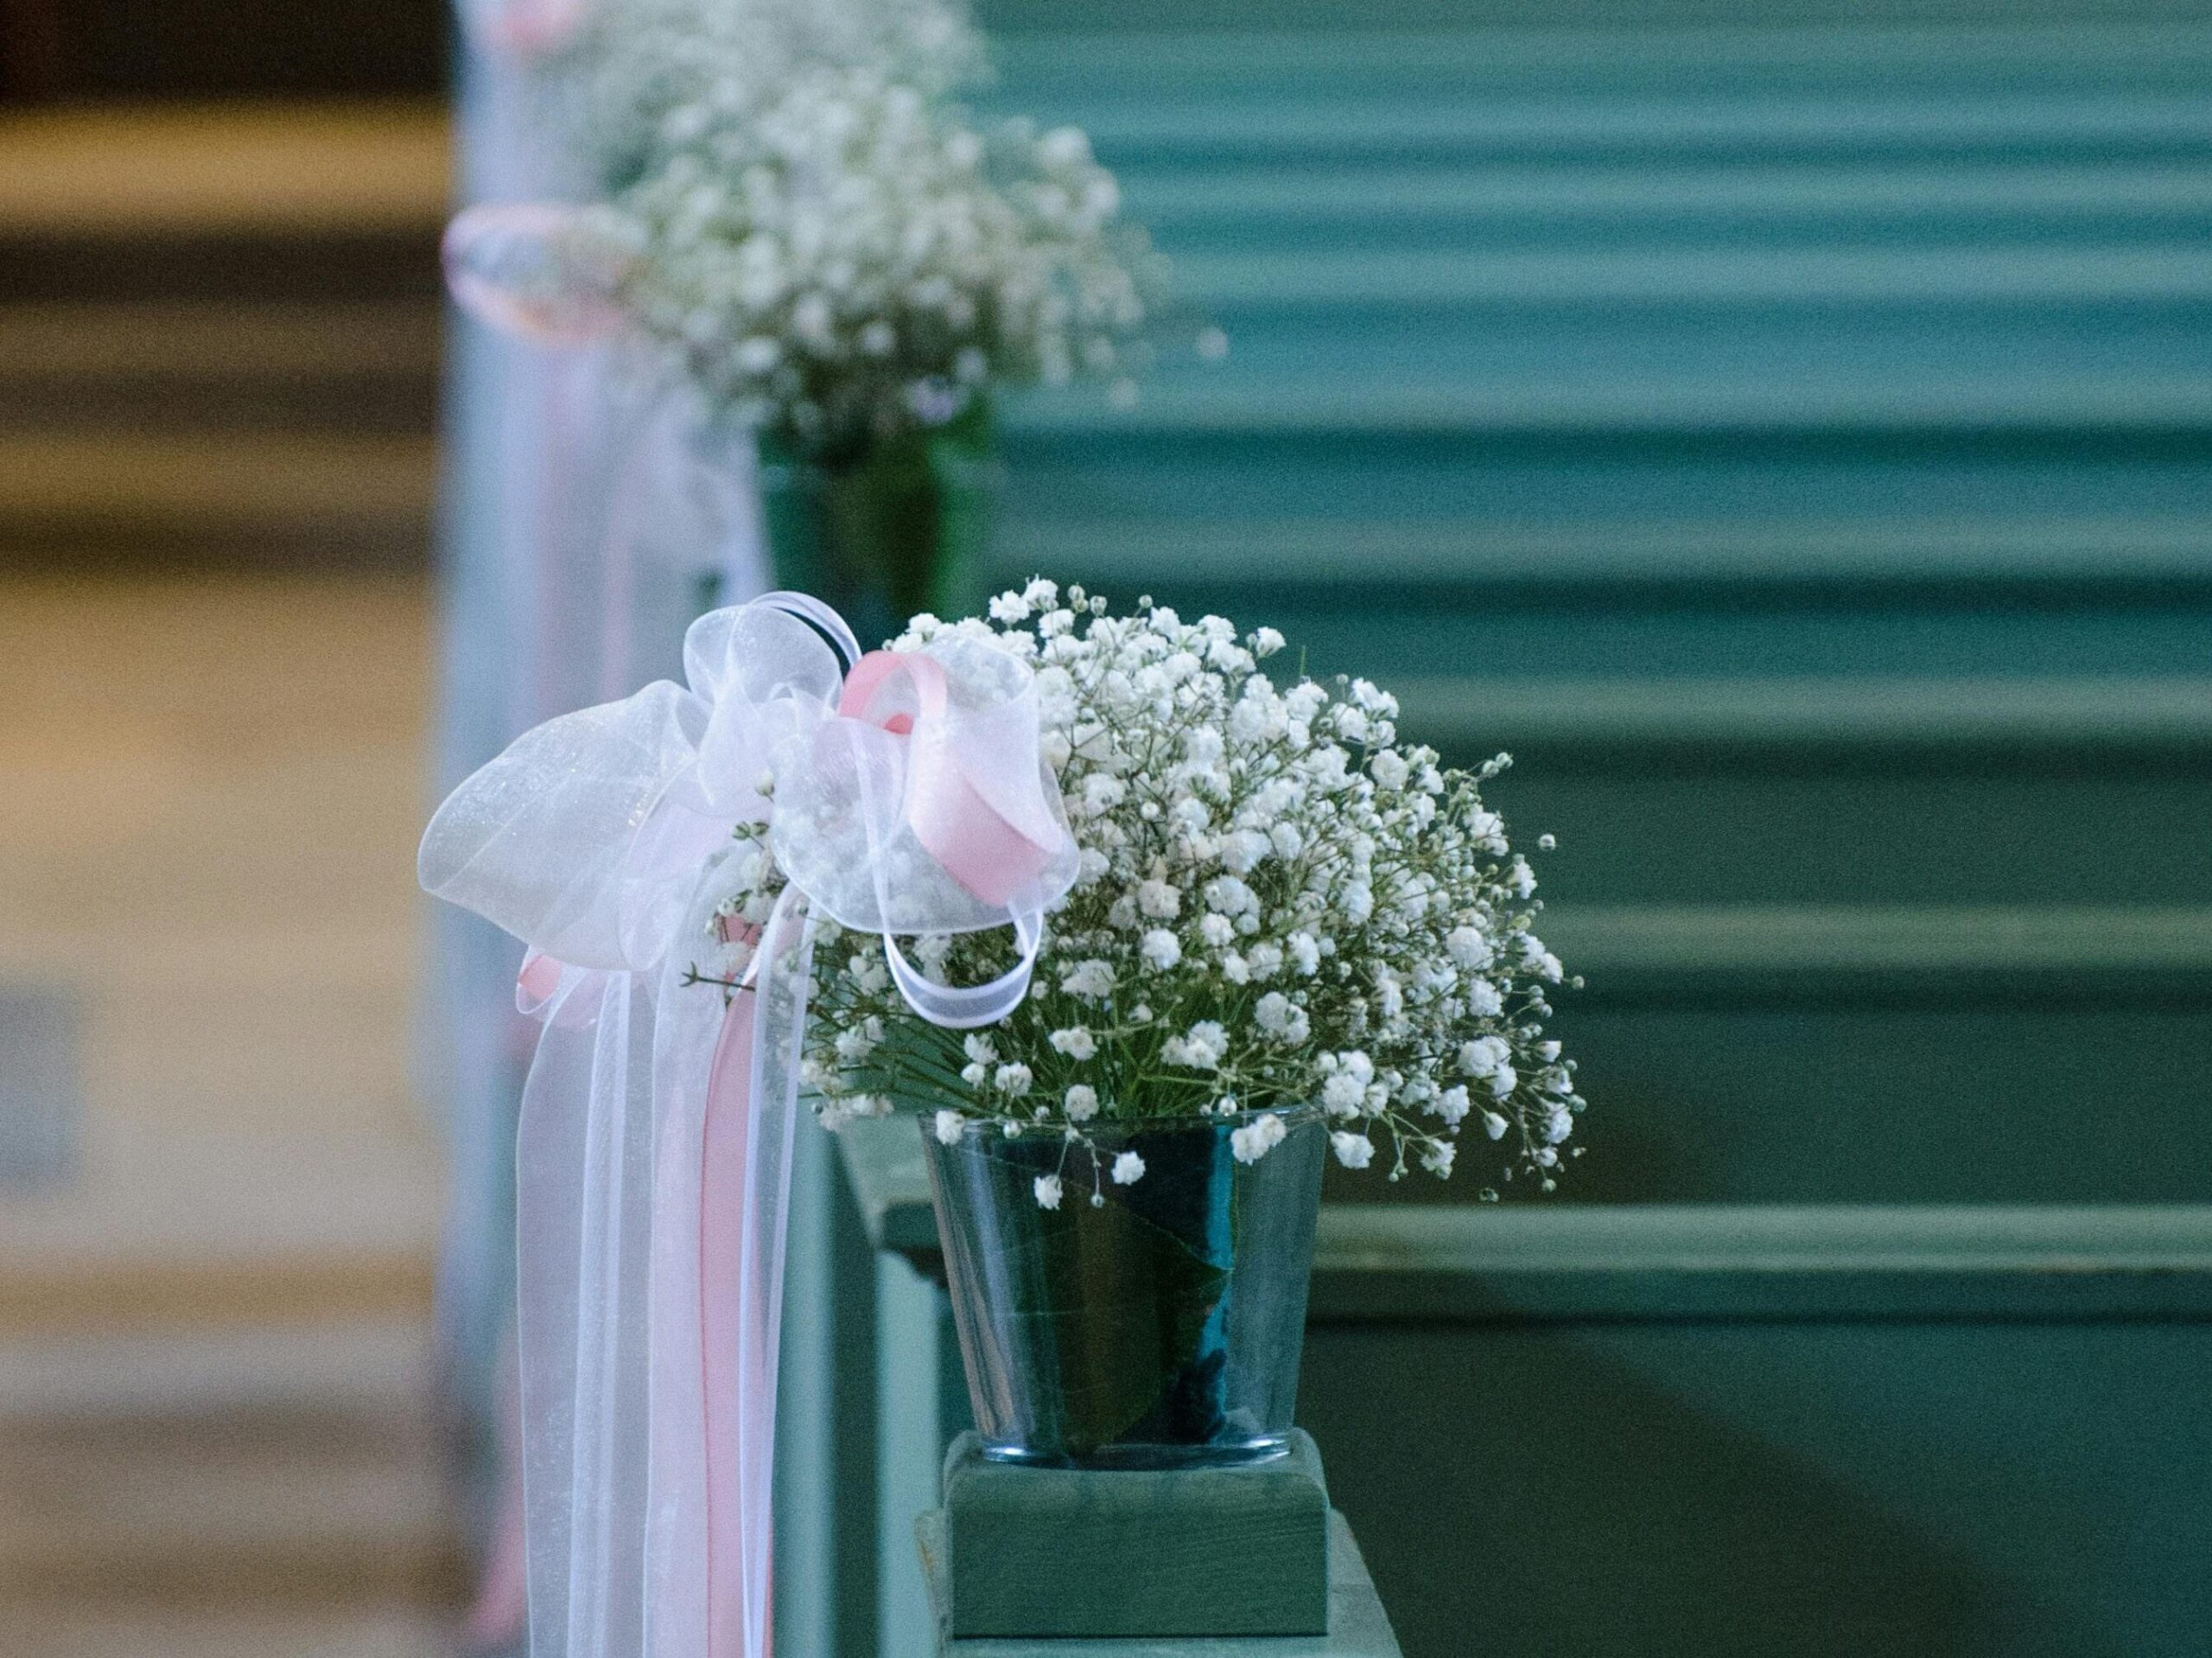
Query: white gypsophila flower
[1469,949]
[1483,1056]
[1353,1151]
[1075,1042]
[1243,850]
[1013,1079]
[949,1126]
[1251,1142]
[1318,916]
[1101,792]
[1047,1188]
[1201,1049]
[1092,980]
[1128,1169]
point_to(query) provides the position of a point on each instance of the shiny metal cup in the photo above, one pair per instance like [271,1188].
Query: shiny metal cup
[1153,1324]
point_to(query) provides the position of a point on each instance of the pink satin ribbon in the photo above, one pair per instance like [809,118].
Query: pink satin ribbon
[538,270]
[743,1189]
[976,845]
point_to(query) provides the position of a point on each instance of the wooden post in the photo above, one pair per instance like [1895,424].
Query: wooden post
[1357,1625]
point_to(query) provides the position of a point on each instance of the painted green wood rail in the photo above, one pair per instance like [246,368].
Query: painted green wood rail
[1357,1625]
[1727,1429]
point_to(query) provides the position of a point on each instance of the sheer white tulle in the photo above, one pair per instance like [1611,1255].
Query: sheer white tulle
[652,1210]
[590,511]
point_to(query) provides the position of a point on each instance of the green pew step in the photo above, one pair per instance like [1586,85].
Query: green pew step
[1270,51]
[1385,1262]
[1660,299]
[1399,391]
[1384,619]
[1840,791]
[1899,1054]
[1474,560]
[1389,207]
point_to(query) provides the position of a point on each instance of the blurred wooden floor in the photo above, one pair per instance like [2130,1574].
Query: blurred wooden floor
[196,168]
[210,790]
[215,466]
[213,1367]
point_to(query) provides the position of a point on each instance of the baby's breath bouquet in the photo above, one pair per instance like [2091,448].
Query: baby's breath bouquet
[1279,908]
[838,253]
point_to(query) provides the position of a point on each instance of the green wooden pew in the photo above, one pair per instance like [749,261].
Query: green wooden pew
[1753,1429]
[1788,432]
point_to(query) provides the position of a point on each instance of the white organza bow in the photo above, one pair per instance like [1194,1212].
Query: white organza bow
[653,1153]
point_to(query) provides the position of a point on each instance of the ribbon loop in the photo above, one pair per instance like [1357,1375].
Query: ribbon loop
[969,1007]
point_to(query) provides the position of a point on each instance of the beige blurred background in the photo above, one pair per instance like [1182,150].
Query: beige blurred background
[219,1193]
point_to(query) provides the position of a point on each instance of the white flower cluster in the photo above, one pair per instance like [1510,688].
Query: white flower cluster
[830,247]
[1278,907]
[654,75]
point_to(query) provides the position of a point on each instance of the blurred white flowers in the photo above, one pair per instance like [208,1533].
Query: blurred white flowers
[832,249]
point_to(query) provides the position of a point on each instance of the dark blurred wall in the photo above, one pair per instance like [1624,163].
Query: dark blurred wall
[215,48]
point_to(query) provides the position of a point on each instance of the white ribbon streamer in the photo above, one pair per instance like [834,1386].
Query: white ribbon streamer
[653,1157]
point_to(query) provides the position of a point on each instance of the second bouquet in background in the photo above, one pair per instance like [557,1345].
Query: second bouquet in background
[846,261]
